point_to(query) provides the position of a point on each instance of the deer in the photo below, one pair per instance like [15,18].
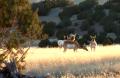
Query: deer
[71,43]
[93,43]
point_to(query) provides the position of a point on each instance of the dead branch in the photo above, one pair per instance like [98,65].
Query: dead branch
[23,56]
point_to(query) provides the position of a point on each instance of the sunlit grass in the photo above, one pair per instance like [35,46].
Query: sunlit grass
[81,63]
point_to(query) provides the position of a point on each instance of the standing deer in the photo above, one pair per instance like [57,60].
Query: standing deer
[70,43]
[93,43]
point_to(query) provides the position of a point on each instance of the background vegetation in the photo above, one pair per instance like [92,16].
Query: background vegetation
[90,13]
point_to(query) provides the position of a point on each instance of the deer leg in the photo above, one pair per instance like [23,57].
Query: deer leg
[94,49]
[75,50]
[91,48]
[64,49]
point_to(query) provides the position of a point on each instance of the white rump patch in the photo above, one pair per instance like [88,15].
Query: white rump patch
[70,46]
[60,42]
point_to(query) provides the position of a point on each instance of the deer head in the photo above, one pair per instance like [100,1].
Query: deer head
[93,37]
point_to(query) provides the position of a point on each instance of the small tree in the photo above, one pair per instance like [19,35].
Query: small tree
[17,21]
[34,30]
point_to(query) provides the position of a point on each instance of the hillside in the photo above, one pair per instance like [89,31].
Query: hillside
[86,18]
[75,1]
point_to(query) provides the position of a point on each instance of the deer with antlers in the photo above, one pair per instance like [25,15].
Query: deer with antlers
[71,43]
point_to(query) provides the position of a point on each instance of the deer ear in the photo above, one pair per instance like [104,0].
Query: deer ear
[91,36]
[75,35]
[95,36]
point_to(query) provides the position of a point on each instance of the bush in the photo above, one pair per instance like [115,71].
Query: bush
[53,44]
[49,28]
[81,16]
[45,6]
[60,25]
[44,43]
[84,39]
[76,24]
[60,33]
[117,40]
[101,37]
[86,25]
[66,22]
[65,14]
[42,9]
[109,24]
[88,4]
[110,27]
[68,12]
[47,43]
[108,41]
[71,30]
[114,5]
[85,14]
[107,5]
[61,3]
[99,13]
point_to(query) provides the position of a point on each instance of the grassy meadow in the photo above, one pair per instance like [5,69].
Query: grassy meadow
[103,63]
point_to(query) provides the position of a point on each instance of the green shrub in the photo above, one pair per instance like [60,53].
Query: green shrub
[49,28]
[92,32]
[44,43]
[98,14]
[76,24]
[65,14]
[85,14]
[60,25]
[101,37]
[81,16]
[42,9]
[108,41]
[117,40]
[46,5]
[66,22]
[109,26]
[87,4]
[69,11]
[53,44]
[86,25]
[84,40]
[60,33]
[71,30]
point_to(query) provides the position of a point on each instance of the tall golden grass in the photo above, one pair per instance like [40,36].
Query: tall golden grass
[70,64]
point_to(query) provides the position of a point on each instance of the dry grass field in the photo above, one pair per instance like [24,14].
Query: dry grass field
[103,63]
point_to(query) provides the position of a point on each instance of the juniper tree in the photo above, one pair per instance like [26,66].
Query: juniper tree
[17,20]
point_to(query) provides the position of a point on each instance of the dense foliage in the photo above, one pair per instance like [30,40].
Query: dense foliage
[18,23]
[91,14]
[46,5]
[19,13]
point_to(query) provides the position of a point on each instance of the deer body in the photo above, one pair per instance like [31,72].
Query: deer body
[70,45]
[93,44]
[67,44]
